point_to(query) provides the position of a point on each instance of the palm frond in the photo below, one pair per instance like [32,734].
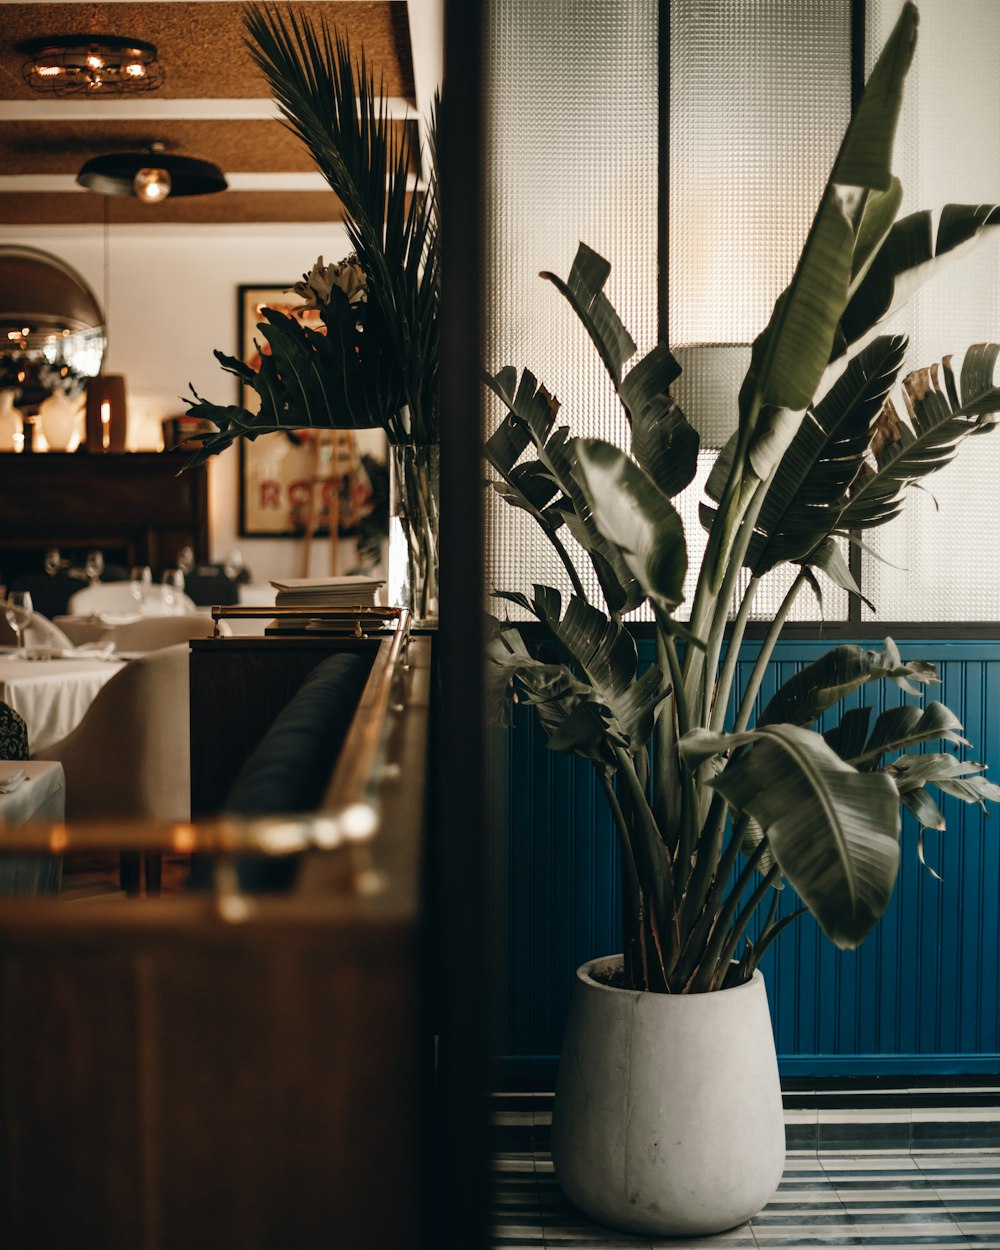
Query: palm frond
[333,105]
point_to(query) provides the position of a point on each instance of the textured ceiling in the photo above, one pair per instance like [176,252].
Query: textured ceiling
[214,105]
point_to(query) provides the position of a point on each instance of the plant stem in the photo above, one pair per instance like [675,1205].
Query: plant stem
[652,861]
[744,918]
[631,901]
[686,822]
[764,656]
[667,805]
[771,932]
[706,970]
[725,683]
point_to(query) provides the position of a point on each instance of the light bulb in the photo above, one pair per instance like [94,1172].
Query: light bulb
[151,185]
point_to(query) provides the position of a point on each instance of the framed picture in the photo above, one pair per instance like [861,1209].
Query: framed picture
[293,487]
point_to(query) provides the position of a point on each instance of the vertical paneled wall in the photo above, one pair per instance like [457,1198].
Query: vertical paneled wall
[921,996]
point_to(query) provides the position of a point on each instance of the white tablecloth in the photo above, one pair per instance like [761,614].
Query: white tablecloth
[52,695]
[41,795]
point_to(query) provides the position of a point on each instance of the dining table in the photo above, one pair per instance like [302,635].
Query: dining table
[52,695]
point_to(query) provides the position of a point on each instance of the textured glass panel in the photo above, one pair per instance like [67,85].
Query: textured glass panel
[571,156]
[942,563]
[759,98]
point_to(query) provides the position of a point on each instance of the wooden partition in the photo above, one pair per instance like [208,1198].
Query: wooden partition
[226,1071]
[137,507]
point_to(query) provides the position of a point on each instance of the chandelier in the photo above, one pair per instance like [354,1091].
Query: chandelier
[94,65]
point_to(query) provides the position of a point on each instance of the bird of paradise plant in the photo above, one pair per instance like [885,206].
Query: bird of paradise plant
[724,803]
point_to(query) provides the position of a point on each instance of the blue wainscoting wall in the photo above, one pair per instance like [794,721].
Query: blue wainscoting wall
[921,996]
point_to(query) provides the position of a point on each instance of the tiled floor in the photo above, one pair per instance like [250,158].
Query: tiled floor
[899,1198]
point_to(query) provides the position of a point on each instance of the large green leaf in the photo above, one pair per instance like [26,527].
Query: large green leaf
[584,291]
[823,459]
[819,685]
[530,420]
[566,709]
[790,356]
[940,412]
[910,255]
[959,778]
[605,650]
[637,518]
[899,728]
[624,704]
[664,443]
[833,831]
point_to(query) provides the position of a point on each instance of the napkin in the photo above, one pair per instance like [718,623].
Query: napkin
[90,651]
[7,784]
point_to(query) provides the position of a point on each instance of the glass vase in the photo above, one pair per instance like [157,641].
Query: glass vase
[412,572]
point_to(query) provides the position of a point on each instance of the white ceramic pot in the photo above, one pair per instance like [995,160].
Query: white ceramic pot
[668,1118]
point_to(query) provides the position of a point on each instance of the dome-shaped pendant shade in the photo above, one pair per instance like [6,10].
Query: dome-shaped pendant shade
[116,174]
[52,334]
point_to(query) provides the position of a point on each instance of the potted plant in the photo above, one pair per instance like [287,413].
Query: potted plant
[372,363]
[668,1114]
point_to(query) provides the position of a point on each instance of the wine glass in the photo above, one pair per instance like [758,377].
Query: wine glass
[233,566]
[17,609]
[93,566]
[140,580]
[185,559]
[53,561]
[173,587]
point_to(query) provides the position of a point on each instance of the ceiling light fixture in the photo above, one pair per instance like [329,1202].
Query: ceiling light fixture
[151,176]
[94,65]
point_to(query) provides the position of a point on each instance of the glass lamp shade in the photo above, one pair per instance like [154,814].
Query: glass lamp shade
[52,335]
[151,185]
[107,418]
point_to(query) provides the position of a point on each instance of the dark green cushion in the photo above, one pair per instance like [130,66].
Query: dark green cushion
[291,766]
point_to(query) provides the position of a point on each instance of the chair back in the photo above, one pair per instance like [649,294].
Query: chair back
[147,634]
[39,633]
[130,755]
[117,597]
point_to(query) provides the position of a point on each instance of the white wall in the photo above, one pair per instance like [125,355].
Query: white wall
[172,299]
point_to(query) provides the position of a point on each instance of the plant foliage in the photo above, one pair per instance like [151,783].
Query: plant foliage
[726,801]
[374,363]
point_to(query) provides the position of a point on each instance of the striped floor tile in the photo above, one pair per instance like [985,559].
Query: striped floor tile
[897,1200]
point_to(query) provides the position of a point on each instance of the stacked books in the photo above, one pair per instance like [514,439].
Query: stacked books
[352,591]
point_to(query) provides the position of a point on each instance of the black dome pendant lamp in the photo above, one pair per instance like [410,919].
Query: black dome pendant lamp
[151,176]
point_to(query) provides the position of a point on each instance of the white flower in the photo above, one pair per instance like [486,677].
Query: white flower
[317,286]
